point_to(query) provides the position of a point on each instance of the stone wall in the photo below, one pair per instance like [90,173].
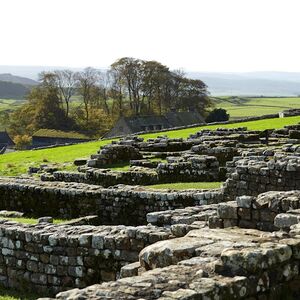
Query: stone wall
[50,258]
[224,264]
[126,205]
[254,175]
[289,113]
[221,152]
[258,212]
[189,168]
[106,177]
[184,168]
[113,154]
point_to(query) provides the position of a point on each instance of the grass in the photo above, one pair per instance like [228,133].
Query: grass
[240,107]
[7,106]
[17,163]
[10,104]
[186,185]
[30,221]
[6,294]
[60,134]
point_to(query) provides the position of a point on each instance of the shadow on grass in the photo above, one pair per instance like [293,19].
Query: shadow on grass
[6,294]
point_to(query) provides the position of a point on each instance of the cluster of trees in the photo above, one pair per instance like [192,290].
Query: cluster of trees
[92,100]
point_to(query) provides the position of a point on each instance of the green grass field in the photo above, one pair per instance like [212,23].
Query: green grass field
[30,221]
[17,163]
[240,107]
[10,104]
[7,106]
[16,295]
[186,185]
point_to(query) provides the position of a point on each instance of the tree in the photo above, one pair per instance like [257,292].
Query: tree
[116,91]
[131,70]
[87,80]
[42,110]
[22,141]
[217,115]
[66,81]
[154,79]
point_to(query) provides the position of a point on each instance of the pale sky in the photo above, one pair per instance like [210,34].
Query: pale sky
[195,35]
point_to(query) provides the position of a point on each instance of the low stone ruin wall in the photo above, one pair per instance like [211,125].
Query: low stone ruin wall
[106,177]
[222,153]
[113,154]
[186,168]
[227,263]
[189,168]
[165,144]
[183,220]
[126,205]
[255,175]
[257,212]
[51,258]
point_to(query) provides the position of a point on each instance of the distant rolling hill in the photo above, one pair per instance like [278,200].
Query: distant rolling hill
[17,79]
[251,84]
[10,90]
[15,87]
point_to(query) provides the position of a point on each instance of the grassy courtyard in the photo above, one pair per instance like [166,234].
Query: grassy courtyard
[186,185]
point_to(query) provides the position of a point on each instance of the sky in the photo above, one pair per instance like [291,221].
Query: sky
[193,35]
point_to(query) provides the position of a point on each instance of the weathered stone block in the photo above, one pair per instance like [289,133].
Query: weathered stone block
[227,210]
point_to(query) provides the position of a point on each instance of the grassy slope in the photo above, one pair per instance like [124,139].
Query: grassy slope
[18,162]
[245,107]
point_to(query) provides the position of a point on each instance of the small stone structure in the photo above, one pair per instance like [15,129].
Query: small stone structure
[289,113]
[113,154]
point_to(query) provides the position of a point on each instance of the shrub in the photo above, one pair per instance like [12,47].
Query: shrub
[22,141]
[217,115]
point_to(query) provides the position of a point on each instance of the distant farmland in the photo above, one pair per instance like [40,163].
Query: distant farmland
[240,107]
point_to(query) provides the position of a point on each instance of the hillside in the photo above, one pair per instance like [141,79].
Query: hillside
[10,90]
[17,79]
[14,87]
[251,84]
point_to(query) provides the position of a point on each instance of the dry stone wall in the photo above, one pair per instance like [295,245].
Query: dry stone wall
[112,154]
[189,168]
[259,212]
[185,168]
[127,205]
[51,258]
[106,177]
[254,175]
[210,264]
